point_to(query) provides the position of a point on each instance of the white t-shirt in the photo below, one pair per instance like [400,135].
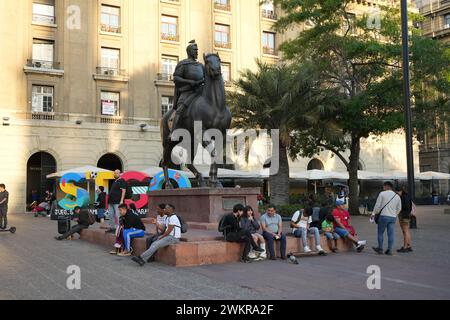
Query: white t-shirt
[303,223]
[174,221]
[161,220]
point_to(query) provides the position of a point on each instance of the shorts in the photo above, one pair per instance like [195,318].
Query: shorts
[404,221]
[341,232]
[332,235]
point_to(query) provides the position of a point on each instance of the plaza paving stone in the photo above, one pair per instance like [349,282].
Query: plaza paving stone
[33,266]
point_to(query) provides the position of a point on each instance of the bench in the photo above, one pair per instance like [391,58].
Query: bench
[200,246]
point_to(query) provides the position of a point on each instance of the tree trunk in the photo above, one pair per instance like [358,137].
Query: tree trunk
[279,183]
[352,169]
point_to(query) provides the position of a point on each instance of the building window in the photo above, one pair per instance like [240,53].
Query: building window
[223,5]
[42,99]
[110,61]
[222,36]
[110,19]
[268,41]
[268,10]
[447,21]
[226,72]
[43,13]
[169,28]
[166,105]
[110,103]
[168,65]
[43,53]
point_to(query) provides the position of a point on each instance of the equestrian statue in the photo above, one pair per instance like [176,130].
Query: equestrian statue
[199,97]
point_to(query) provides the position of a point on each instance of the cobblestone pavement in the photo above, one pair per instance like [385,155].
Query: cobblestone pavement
[33,266]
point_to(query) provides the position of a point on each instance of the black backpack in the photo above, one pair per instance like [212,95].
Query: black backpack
[184,227]
[221,227]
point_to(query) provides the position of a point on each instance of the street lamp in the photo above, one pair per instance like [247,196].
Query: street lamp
[407,97]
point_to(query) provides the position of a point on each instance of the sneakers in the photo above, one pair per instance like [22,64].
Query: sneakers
[360,246]
[124,254]
[410,249]
[252,255]
[306,250]
[405,250]
[114,251]
[259,250]
[335,250]
[139,261]
[388,253]
[58,238]
[378,250]
[245,260]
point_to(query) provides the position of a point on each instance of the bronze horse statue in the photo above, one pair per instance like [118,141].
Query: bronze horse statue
[210,109]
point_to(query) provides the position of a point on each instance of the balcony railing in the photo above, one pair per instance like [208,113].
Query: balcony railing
[223,45]
[164,77]
[270,51]
[269,14]
[48,116]
[111,72]
[110,120]
[108,28]
[222,6]
[44,19]
[42,64]
[170,37]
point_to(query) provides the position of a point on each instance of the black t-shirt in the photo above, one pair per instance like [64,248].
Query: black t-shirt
[101,199]
[115,195]
[4,196]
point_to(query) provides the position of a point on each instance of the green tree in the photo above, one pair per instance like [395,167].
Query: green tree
[277,97]
[361,60]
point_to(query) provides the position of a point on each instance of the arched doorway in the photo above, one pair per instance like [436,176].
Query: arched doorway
[110,162]
[40,165]
[315,164]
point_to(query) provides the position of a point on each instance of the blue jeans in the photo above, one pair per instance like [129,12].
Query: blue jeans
[302,233]
[129,234]
[114,215]
[383,224]
[101,213]
[270,243]
[332,236]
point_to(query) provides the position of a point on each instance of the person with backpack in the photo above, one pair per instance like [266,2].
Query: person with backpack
[387,208]
[233,232]
[132,228]
[101,204]
[116,198]
[159,223]
[84,219]
[174,227]
[301,227]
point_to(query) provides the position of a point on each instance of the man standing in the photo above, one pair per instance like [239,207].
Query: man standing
[272,226]
[189,77]
[388,206]
[4,195]
[116,198]
[171,235]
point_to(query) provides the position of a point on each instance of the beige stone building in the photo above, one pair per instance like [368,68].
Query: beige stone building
[85,82]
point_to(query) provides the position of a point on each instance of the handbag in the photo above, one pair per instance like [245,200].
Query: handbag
[377,216]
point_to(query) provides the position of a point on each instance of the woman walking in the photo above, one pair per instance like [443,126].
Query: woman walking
[404,219]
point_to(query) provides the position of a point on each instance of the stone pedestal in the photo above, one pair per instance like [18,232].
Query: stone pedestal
[204,205]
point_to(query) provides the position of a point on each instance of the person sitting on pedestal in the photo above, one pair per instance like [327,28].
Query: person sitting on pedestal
[82,216]
[132,228]
[272,226]
[234,233]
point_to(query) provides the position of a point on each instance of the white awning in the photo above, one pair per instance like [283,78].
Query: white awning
[84,169]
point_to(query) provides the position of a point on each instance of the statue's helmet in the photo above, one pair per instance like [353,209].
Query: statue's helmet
[192,44]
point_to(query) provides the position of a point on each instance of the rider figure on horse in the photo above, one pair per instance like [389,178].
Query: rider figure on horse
[189,78]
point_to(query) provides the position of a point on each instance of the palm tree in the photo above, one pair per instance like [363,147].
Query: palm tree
[276,97]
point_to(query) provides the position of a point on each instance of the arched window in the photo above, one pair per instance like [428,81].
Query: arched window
[315,164]
[110,162]
[40,165]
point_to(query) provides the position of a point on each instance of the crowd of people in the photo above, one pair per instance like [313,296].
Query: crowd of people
[242,226]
